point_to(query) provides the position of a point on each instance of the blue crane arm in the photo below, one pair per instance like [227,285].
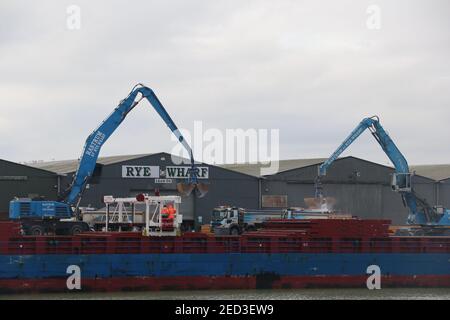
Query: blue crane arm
[399,161]
[99,136]
[386,143]
[344,145]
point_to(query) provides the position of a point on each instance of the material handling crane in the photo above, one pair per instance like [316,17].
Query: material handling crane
[431,220]
[38,216]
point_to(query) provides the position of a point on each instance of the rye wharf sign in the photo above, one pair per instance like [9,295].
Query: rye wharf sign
[184,172]
[137,171]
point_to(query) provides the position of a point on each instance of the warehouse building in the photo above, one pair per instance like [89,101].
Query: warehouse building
[124,176]
[360,187]
[25,182]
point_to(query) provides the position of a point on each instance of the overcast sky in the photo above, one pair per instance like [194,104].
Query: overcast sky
[312,69]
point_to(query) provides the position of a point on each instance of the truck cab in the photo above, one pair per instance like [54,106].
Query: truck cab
[227,220]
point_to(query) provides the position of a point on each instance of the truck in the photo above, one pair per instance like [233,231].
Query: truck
[232,220]
[39,216]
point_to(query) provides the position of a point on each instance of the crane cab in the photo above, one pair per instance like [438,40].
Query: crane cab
[401,182]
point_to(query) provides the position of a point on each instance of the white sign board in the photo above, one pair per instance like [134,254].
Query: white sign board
[163,180]
[181,172]
[138,171]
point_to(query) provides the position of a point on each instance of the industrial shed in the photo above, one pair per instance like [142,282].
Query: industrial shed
[18,180]
[123,176]
[360,187]
[441,174]
[443,187]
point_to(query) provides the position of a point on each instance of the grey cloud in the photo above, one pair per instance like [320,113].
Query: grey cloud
[310,68]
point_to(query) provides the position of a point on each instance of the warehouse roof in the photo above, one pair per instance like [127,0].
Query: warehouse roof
[66,166]
[433,171]
[284,165]
[27,165]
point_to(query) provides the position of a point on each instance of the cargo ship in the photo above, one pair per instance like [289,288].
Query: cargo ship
[316,253]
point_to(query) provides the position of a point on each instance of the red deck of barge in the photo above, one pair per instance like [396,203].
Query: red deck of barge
[301,236]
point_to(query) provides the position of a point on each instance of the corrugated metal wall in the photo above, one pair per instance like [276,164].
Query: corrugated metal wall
[443,190]
[23,181]
[361,188]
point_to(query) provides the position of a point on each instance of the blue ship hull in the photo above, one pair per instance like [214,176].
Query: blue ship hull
[228,270]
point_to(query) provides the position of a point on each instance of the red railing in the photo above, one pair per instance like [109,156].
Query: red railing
[119,244]
[315,236]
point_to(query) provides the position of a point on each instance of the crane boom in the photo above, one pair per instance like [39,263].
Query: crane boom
[386,143]
[99,136]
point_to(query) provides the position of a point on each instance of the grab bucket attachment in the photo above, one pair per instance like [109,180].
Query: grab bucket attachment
[320,203]
[186,189]
[202,189]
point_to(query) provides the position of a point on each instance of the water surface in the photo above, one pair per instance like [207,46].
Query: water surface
[285,294]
